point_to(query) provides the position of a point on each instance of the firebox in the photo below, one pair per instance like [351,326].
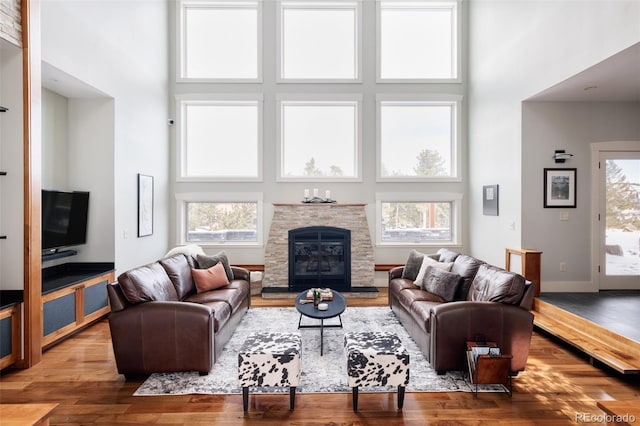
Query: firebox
[319,256]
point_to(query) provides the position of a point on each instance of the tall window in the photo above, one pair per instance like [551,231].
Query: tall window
[220,40]
[433,220]
[319,40]
[220,218]
[319,140]
[417,40]
[220,139]
[417,140]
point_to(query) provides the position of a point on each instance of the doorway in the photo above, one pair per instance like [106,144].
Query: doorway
[618,220]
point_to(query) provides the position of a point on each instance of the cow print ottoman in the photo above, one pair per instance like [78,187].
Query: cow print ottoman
[376,359]
[269,359]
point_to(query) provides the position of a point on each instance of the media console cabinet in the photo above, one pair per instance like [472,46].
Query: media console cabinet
[73,296]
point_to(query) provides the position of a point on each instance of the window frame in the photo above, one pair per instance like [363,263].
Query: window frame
[456,143]
[181,50]
[455,198]
[183,198]
[456,42]
[316,99]
[281,5]
[216,99]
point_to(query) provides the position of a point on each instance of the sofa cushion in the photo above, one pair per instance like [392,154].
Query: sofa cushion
[447,255]
[492,284]
[429,262]
[233,296]
[147,283]
[466,267]
[210,278]
[414,263]
[179,271]
[205,262]
[441,283]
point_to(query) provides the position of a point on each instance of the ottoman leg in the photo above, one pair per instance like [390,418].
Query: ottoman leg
[292,397]
[245,399]
[354,398]
[400,397]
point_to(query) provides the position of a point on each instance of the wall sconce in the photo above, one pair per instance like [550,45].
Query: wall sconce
[561,156]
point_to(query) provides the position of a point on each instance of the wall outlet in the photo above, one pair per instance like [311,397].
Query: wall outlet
[564,216]
[125,233]
[563,266]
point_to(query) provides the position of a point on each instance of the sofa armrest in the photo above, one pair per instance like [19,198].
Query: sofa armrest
[240,273]
[453,324]
[117,300]
[396,272]
[155,337]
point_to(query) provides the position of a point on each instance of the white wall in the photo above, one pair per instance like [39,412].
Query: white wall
[518,49]
[11,154]
[119,48]
[54,141]
[573,126]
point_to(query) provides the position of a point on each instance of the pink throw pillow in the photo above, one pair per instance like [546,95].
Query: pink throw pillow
[210,279]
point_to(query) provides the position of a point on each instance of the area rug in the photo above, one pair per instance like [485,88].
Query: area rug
[320,374]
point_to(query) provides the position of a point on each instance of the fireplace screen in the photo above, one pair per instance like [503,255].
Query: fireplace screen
[319,257]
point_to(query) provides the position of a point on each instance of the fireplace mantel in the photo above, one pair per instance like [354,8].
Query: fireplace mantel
[288,216]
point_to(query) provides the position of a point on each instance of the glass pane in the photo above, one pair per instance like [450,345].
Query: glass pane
[319,140]
[221,43]
[415,140]
[417,42]
[623,217]
[222,222]
[319,43]
[416,222]
[216,134]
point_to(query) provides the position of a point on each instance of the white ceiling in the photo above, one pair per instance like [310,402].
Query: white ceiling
[66,85]
[616,79]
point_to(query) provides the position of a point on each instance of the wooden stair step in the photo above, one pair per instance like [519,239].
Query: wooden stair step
[618,352]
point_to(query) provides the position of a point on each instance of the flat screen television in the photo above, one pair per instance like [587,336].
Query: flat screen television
[64,219]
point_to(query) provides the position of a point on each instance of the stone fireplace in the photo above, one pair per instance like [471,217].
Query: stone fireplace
[286,217]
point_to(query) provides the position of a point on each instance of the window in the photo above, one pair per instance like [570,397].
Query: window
[220,40]
[319,140]
[319,40]
[432,220]
[220,219]
[220,140]
[417,140]
[417,40]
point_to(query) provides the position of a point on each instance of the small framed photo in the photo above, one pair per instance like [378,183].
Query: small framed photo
[145,205]
[560,188]
[490,200]
[494,351]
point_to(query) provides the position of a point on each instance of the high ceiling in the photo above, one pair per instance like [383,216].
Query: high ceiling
[616,79]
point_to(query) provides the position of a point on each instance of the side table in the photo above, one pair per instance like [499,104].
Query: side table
[488,369]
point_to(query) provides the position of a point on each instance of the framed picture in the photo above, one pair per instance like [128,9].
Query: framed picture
[145,205]
[490,200]
[560,188]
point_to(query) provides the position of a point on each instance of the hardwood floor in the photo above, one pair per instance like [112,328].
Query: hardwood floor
[79,374]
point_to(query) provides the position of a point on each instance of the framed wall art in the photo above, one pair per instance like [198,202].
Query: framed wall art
[560,188]
[490,200]
[145,205]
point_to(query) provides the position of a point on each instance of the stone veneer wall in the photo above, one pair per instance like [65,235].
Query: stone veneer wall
[292,216]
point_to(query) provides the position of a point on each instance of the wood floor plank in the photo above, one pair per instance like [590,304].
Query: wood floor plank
[79,375]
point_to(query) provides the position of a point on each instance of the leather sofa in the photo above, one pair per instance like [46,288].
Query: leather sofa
[159,322]
[489,304]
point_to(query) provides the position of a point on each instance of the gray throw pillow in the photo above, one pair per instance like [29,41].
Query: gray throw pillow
[412,267]
[441,283]
[206,262]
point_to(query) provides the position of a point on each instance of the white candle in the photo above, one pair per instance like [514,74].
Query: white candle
[327,194]
[315,192]
[306,193]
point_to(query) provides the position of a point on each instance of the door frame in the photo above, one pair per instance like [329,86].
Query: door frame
[596,149]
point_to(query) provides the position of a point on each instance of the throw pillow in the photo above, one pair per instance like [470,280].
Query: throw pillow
[210,278]
[426,262]
[441,283]
[412,267]
[205,262]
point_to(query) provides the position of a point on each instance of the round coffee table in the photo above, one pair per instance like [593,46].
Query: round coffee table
[336,308]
